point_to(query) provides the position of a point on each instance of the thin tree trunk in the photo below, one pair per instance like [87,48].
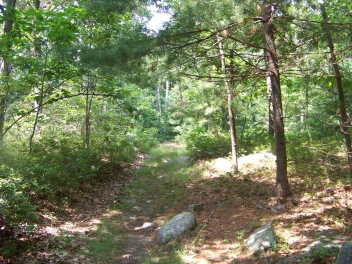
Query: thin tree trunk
[167,87]
[88,85]
[229,88]
[304,114]
[282,185]
[344,118]
[5,66]
[5,74]
[158,98]
[38,102]
[38,90]
[271,129]
[89,100]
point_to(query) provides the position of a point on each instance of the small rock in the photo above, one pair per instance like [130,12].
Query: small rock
[345,254]
[259,207]
[274,210]
[175,227]
[261,237]
[280,207]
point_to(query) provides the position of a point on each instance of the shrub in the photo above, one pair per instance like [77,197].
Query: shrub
[16,207]
[15,204]
[146,139]
[60,165]
[200,144]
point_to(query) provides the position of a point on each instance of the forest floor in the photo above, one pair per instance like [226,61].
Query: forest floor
[116,220]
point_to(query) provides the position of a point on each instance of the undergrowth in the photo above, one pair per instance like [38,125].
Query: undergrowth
[54,172]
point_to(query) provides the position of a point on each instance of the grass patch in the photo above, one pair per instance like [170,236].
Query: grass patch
[162,178]
[171,253]
[108,242]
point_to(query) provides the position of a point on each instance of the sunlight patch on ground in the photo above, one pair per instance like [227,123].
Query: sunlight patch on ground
[191,258]
[260,160]
[246,165]
[79,227]
[218,251]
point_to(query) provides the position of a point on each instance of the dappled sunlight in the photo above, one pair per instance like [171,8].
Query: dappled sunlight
[235,205]
[253,165]
[72,227]
[232,207]
[216,252]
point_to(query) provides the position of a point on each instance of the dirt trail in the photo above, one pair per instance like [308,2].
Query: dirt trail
[140,234]
[60,237]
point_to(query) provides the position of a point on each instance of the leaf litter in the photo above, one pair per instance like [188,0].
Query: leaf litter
[233,207]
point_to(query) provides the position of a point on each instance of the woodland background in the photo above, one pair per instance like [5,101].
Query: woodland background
[86,87]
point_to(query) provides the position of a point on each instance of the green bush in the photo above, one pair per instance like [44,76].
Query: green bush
[200,144]
[114,149]
[60,165]
[146,139]
[15,203]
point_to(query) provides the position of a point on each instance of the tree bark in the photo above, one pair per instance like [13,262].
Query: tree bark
[88,86]
[167,88]
[271,128]
[89,100]
[5,66]
[229,88]
[345,123]
[38,90]
[158,98]
[282,185]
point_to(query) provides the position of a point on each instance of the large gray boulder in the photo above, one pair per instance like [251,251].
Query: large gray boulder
[345,254]
[175,227]
[261,238]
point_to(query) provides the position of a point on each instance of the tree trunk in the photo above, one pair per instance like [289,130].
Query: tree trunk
[158,99]
[89,100]
[345,123]
[88,86]
[38,90]
[271,129]
[229,88]
[282,185]
[304,113]
[167,88]
[38,102]
[5,66]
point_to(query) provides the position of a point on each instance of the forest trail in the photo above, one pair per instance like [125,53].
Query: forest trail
[117,221]
[167,184]
[156,194]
